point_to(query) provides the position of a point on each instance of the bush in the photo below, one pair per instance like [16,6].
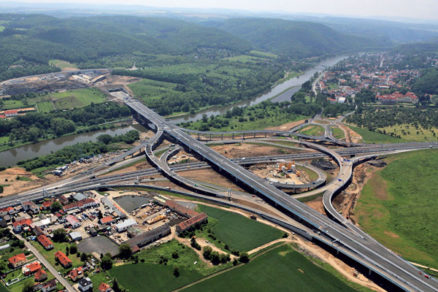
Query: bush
[176,272]
[175,255]
[244,258]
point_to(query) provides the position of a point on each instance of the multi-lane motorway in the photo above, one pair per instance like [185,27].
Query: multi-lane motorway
[376,257]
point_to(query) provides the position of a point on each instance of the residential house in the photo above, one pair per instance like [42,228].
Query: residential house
[30,206]
[45,242]
[31,268]
[63,259]
[22,224]
[76,274]
[17,260]
[49,286]
[104,287]
[85,284]
[40,276]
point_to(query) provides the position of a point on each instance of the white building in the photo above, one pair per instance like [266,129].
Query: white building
[123,226]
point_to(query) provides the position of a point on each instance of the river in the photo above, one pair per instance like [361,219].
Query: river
[13,156]
[280,92]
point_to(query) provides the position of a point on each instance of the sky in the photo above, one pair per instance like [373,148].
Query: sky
[413,9]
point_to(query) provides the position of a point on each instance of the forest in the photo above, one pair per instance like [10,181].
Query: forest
[35,126]
[29,42]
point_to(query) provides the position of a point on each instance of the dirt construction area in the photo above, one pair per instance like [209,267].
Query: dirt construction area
[249,150]
[17,179]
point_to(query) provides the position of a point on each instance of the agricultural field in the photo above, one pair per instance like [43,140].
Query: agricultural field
[7,104]
[45,106]
[68,99]
[63,65]
[236,231]
[2,28]
[280,269]
[313,130]
[399,204]
[373,137]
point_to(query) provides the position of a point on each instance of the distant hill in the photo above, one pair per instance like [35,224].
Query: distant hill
[294,38]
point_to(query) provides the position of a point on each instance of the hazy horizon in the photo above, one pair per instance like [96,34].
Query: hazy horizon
[425,10]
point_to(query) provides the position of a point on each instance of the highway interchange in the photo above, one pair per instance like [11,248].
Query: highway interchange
[339,234]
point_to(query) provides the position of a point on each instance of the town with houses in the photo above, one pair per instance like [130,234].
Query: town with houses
[59,242]
[375,71]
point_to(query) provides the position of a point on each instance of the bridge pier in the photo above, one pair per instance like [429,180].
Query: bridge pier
[210,137]
[222,136]
[232,136]
[254,135]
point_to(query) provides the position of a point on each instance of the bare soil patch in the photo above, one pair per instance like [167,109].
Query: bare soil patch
[249,150]
[317,205]
[17,179]
[287,126]
[210,176]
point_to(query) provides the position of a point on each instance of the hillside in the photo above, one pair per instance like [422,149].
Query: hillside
[294,38]
[28,42]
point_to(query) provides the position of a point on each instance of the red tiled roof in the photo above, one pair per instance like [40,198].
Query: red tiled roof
[106,219]
[33,267]
[192,221]
[72,219]
[62,258]
[181,209]
[47,204]
[104,287]
[79,204]
[22,222]
[40,275]
[16,259]
[45,241]
[75,273]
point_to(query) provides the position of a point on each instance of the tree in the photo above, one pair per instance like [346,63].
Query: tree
[60,235]
[73,249]
[116,287]
[105,138]
[244,257]
[106,262]
[176,272]
[125,251]
[55,207]
[84,257]
[28,286]
[175,255]
[207,252]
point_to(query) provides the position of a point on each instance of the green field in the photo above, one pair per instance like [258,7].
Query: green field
[62,64]
[280,269]
[373,137]
[159,277]
[45,106]
[238,232]
[399,204]
[70,99]
[338,133]
[2,28]
[11,104]
[411,133]
[313,130]
[50,254]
